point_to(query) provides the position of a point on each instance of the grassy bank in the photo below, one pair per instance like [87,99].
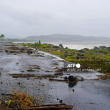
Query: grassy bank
[92,58]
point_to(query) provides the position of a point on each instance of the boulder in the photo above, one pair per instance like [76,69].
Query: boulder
[61,46]
[81,51]
[65,55]
[102,47]
[96,48]
[66,48]
[86,49]
[29,51]
[78,54]
[72,78]
[55,46]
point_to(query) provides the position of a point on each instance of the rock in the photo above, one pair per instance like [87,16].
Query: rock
[65,77]
[77,57]
[96,48]
[6,50]
[31,70]
[72,78]
[78,54]
[19,83]
[61,101]
[72,84]
[66,48]
[29,51]
[86,49]
[61,46]
[81,51]
[59,73]
[65,55]
[55,46]
[102,47]
[73,90]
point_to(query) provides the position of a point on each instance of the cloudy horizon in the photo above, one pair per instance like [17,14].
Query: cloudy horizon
[44,17]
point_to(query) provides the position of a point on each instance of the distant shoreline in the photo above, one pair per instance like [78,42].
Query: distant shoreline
[76,45]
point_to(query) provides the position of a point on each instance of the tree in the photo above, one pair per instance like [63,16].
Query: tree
[39,43]
[2,36]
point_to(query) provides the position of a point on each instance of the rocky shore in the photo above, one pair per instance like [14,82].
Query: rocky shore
[23,68]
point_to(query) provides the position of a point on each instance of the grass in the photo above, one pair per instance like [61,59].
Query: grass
[90,58]
[21,99]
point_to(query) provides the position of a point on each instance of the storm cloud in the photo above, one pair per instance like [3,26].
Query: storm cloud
[42,17]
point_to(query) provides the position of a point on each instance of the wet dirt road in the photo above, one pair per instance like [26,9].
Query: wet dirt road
[86,95]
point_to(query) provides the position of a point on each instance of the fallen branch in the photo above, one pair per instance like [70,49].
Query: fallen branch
[44,107]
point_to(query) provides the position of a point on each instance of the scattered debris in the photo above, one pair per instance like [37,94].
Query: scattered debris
[43,84]
[31,70]
[48,71]
[58,80]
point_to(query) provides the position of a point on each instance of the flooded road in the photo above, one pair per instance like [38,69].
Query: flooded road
[86,95]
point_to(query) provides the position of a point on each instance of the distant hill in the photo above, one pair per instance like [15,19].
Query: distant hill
[67,38]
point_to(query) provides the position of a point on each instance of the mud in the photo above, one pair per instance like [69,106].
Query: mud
[89,94]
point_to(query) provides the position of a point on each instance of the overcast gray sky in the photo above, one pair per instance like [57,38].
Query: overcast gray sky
[42,17]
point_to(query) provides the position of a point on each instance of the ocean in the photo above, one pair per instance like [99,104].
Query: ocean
[81,45]
[76,45]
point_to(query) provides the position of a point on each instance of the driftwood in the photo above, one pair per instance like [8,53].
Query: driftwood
[58,80]
[44,107]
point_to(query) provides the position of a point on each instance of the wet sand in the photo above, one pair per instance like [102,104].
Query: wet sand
[86,95]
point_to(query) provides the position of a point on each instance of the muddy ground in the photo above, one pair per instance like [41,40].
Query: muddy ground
[89,94]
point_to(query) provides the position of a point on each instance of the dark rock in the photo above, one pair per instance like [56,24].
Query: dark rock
[59,73]
[96,48]
[72,78]
[55,46]
[65,77]
[66,48]
[81,51]
[61,101]
[6,50]
[31,70]
[102,47]
[19,83]
[78,54]
[72,84]
[77,57]
[61,46]
[86,49]
[29,51]
[65,55]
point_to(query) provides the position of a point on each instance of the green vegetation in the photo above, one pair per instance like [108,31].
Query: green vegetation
[2,36]
[95,59]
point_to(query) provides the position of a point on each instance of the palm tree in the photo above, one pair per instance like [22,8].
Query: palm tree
[2,36]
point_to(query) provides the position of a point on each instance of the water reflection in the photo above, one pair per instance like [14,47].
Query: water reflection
[72,84]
